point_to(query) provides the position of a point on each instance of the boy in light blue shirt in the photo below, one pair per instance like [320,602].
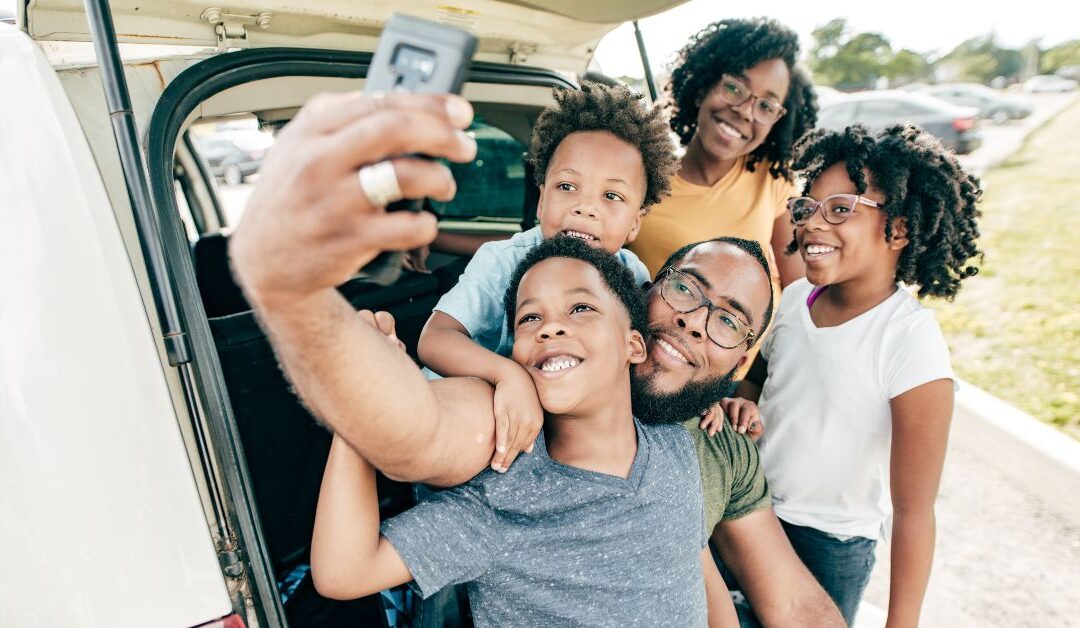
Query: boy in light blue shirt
[602,157]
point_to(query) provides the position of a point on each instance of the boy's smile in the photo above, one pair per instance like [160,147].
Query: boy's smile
[573,336]
[594,190]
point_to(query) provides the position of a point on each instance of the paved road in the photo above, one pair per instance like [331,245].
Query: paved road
[1004,558]
[1000,141]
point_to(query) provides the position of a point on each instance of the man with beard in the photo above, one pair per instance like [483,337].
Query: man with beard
[312,226]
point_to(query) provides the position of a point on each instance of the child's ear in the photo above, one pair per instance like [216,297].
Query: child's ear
[899,234]
[638,347]
[636,227]
[539,203]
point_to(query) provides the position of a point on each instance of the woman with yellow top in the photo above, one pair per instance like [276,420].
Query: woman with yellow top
[738,104]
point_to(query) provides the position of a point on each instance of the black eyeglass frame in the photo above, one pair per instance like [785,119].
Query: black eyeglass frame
[703,301]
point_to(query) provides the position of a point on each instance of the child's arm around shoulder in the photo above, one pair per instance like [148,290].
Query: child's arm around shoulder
[447,347]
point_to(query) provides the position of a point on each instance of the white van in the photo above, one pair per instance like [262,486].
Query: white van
[155,468]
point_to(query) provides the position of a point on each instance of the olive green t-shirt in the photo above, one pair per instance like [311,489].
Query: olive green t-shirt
[731,474]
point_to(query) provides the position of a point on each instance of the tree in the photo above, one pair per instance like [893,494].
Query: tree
[848,60]
[980,59]
[908,66]
[1062,55]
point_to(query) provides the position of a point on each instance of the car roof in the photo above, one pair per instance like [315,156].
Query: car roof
[892,94]
[553,34]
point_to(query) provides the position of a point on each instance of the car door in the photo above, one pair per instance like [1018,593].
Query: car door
[101,518]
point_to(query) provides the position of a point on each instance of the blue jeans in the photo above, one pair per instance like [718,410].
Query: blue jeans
[842,567]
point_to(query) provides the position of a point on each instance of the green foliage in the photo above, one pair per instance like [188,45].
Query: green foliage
[908,66]
[980,59]
[848,60]
[1061,55]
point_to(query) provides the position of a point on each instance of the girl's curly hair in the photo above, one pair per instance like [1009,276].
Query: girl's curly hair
[923,183]
[618,110]
[732,47]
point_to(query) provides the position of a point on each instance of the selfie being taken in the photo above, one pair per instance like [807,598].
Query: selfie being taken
[489,313]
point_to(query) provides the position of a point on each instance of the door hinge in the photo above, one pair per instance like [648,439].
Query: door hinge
[232,559]
[231,28]
[519,52]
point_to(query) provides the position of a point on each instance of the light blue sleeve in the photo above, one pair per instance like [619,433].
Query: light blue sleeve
[636,266]
[477,300]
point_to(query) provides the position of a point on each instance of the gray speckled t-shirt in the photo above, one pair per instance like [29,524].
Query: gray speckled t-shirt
[547,544]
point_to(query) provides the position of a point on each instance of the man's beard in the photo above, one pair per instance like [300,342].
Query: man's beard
[691,401]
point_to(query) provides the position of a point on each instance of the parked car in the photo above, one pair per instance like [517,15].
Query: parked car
[227,160]
[826,94]
[992,105]
[1048,83]
[957,127]
[158,470]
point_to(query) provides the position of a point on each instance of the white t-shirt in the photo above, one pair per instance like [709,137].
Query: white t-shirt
[825,403]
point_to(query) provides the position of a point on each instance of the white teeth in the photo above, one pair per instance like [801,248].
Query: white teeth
[579,235]
[730,131]
[670,350]
[819,249]
[559,363]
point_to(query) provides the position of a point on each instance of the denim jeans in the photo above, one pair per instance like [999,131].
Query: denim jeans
[841,566]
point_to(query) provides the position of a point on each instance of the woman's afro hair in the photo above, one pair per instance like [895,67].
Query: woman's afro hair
[731,47]
[617,110]
[923,183]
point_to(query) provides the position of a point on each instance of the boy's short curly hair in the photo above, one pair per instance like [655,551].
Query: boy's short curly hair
[923,183]
[618,278]
[731,47]
[617,110]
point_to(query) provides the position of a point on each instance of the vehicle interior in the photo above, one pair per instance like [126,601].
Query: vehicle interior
[283,446]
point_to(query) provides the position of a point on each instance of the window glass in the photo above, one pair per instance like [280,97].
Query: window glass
[233,150]
[492,187]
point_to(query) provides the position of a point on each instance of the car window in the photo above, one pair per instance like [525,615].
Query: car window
[233,149]
[492,187]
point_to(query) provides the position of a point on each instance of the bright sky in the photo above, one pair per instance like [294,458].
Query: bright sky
[921,25]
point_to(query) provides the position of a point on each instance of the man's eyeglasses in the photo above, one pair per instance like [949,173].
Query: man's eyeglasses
[766,110]
[835,208]
[722,326]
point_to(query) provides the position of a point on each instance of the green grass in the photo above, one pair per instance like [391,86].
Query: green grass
[1014,329]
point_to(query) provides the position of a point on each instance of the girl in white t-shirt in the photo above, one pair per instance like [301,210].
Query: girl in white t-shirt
[857,384]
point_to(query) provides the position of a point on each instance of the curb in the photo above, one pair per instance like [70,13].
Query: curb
[1043,460]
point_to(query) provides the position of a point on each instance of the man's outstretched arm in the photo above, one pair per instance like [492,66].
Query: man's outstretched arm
[781,590]
[309,226]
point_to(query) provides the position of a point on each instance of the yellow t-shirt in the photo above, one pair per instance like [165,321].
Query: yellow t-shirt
[741,204]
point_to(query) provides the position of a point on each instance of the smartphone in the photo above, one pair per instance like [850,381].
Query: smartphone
[414,55]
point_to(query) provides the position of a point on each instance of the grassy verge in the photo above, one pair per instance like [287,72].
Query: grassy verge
[1014,329]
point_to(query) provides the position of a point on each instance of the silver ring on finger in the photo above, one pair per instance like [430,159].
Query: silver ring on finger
[379,183]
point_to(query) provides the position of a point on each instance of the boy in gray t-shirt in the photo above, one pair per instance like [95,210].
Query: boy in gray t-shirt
[550,543]
[602,524]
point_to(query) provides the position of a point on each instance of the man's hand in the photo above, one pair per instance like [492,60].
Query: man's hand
[518,417]
[309,225]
